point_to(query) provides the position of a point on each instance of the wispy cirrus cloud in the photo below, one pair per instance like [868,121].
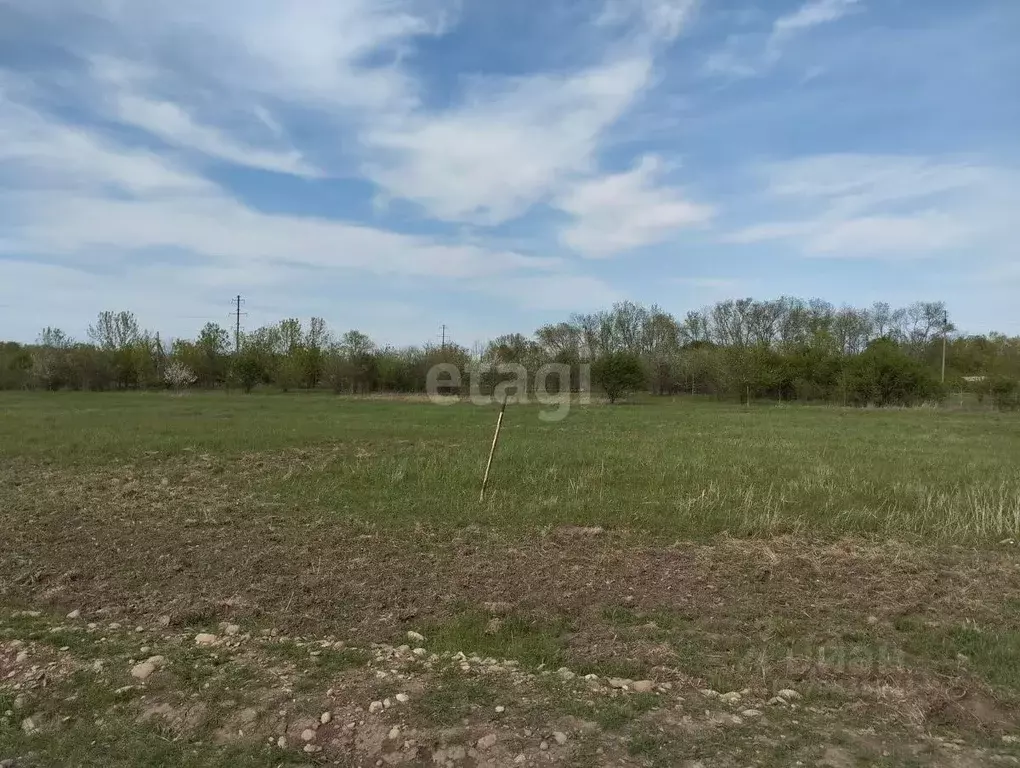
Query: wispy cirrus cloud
[747,55]
[622,211]
[811,14]
[879,205]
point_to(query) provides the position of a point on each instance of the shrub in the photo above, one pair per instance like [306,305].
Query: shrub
[618,373]
[178,375]
[885,375]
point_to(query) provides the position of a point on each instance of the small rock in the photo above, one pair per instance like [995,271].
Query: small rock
[500,709]
[873,619]
[28,725]
[205,639]
[751,713]
[75,614]
[307,735]
[403,698]
[962,657]
[387,703]
[394,733]
[643,686]
[115,625]
[520,758]
[21,658]
[733,697]
[544,745]
[143,671]
[419,652]
[375,707]
[709,693]
[789,694]
[487,741]
[415,636]
[282,742]
[561,737]
[325,717]
[778,700]
[1011,739]
[566,673]
[493,626]
[231,629]
[310,748]
[144,650]
[498,607]
[619,682]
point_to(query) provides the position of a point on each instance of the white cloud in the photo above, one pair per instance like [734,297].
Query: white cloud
[511,145]
[37,153]
[515,142]
[170,123]
[73,195]
[328,54]
[622,211]
[662,18]
[732,60]
[809,15]
[503,145]
[195,74]
[880,205]
[315,90]
[742,57]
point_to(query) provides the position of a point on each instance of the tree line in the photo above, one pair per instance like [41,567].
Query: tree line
[785,349]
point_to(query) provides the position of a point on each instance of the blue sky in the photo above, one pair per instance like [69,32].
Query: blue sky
[393,165]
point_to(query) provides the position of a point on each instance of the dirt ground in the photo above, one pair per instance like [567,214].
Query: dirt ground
[343,643]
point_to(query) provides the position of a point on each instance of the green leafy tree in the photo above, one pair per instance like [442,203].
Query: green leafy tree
[618,373]
[886,375]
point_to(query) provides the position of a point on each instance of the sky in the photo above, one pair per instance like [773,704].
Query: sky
[399,165]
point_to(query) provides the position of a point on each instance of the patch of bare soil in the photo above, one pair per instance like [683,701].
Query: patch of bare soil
[697,622]
[403,705]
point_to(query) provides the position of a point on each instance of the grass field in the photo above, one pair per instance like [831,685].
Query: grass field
[865,559]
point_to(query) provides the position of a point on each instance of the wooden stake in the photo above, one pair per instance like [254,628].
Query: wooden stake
[492,450]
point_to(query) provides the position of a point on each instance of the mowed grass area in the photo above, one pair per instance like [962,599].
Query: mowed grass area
[672,467]
[864,559]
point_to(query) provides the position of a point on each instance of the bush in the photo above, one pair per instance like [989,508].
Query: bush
[618,373]
[885,375]
[1006,392]
[179,376]
[248,370]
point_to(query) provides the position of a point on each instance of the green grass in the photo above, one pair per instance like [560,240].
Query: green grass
[684,467]
[993,655]
[359,519]
[532,642]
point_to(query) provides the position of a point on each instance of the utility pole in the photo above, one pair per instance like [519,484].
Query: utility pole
[945,332]
[238,303]
[443,344]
